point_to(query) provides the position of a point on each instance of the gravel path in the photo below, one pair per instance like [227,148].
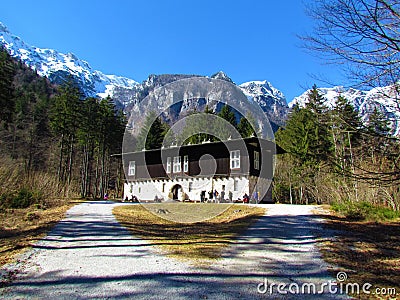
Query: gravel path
[89,255]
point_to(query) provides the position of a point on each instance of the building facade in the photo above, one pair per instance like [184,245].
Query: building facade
[232,168]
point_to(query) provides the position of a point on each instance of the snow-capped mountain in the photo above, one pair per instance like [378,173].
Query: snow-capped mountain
[222,76]
[57,66]
[127,92]
[271,100]
[385,99]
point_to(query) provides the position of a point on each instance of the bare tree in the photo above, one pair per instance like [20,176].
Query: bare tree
[361,35]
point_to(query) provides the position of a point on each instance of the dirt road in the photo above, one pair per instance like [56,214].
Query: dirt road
[89,255]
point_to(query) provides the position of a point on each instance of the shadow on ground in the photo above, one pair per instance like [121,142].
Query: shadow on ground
[97,258]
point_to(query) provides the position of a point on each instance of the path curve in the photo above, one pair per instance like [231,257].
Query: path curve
[89,255]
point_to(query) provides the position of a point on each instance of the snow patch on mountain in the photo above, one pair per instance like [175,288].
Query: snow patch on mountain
[56,66]
[385,99]
[222,76]
[271,100]
[126,92]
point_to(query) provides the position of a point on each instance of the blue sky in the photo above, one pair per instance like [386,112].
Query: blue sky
[248,40]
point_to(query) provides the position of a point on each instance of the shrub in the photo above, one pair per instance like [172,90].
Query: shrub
[24,198]
[358,211]
[20,199]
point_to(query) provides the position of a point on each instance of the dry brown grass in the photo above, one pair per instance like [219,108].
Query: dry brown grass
[20,228]
[44,184]
[198,242]
[366,251]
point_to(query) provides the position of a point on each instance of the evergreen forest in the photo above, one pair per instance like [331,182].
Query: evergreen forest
[55,143]
[333,157]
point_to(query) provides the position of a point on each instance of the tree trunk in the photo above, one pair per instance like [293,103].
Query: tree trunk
[301,194]
[70,163]
[290,190]
[60,168]
[102,175]
[84,172]
[96,178]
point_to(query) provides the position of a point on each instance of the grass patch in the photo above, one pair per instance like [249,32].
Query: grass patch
[368,251]
[22,227]
[199,241]
[187,212]
[359,211]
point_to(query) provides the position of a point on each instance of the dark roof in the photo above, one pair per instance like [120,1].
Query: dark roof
[265,144]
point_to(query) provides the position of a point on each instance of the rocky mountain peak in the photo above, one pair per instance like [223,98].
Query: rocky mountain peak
[155,81]
[3,28]
[270,99]
[126,92]
[57,66]
[222,76]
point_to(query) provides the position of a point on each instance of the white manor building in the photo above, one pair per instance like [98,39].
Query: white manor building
[233,168]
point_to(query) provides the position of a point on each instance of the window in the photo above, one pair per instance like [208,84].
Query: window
[190,186]
[186,163]
[256,160]
[131,168]
[168,164]
[235,185]
[177,164]
[235,159]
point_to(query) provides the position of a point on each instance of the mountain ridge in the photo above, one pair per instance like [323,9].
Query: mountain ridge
[127,93]
[56,65]
[364,102]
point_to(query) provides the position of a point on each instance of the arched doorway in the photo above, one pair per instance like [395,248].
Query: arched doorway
[176,191]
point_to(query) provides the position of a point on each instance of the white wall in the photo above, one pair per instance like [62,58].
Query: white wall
[147,190]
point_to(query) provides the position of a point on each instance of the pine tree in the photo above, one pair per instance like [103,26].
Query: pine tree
[316,102]
[222,128]
[298,137]
[24,101]
[318,122]
[196,123]
[99,135]
[377,139]
[7,72]
[111,130]
[378,124]
[227,114]
[300,142]
[65,117]
[345,132]
[152,133]
[245,126]
[345,118]
[88,138]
